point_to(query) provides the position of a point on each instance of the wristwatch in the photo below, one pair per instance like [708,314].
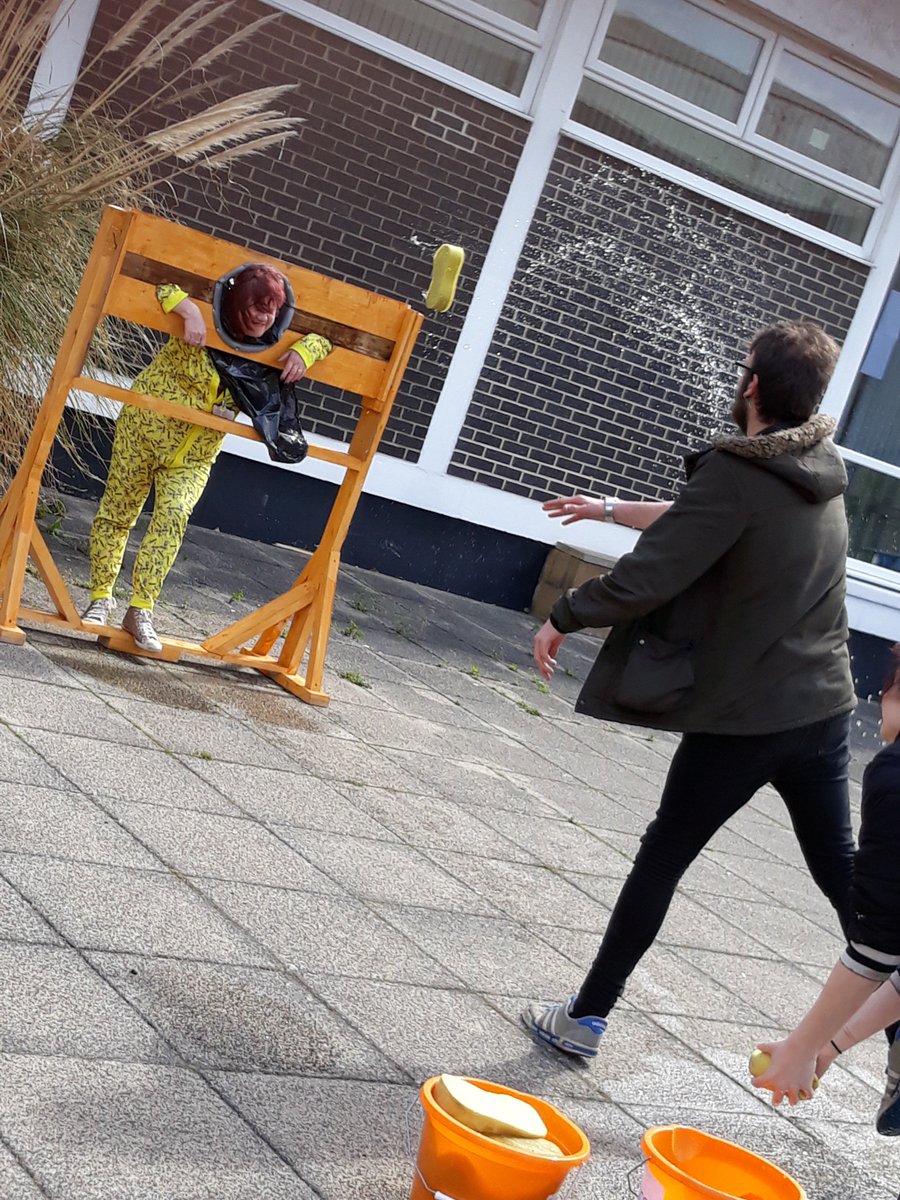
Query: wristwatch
[609,508]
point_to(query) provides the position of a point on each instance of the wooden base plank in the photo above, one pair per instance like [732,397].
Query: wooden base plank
[297,687]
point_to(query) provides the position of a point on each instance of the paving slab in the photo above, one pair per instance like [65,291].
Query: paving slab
[387,871]
[34,704]
[430,1031]
[29,662]
[103,769]
[54,1003]
[215,735]
[20,921]
[20,764]
[432,822]
[346,1139]
[117,908]
[65,824]
[318,933]
[529,893]
[487,954]
[290,798]
[222,847]
[15,1182]
[93,1130]
[241,1018]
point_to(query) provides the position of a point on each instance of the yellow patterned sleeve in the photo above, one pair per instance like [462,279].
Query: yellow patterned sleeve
[313,348]
[170,295]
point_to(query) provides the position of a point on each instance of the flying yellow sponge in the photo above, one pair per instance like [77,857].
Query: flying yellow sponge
[448,262]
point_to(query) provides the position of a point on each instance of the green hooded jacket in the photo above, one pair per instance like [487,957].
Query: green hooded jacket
[728,616]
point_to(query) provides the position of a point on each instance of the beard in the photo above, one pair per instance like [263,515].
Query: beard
[739,408]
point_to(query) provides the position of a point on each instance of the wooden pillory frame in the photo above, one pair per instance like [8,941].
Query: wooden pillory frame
[373,337]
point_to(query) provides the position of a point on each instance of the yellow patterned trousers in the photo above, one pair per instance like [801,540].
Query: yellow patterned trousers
[142,457]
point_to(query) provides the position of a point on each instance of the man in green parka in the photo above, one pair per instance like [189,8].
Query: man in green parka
[729,627]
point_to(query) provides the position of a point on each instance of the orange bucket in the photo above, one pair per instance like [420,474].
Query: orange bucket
[460,1164]
[685,1164]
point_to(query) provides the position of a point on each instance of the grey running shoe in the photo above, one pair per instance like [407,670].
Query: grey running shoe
[139,623]
[553,1024]
[98,611]
[888,1119]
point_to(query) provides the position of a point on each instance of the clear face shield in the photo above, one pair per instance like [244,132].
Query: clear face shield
[231,337]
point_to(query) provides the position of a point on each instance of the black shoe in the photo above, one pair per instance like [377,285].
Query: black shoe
[888,1119]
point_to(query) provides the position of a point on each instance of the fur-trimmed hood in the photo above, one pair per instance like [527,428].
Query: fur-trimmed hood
[802,455]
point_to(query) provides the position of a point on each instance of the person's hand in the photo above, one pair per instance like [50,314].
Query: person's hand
[194,325]
[294,367]
[547,642]
[790,1072]
[575,508]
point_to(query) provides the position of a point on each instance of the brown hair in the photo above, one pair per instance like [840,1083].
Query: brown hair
[793,361]
[255,284]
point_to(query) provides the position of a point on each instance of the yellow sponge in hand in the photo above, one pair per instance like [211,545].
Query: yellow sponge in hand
[448,262]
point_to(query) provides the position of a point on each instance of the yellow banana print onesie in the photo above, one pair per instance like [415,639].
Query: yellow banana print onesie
[171,456]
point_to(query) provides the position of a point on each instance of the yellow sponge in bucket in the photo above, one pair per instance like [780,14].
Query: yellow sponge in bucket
[448,262]
[491,1113]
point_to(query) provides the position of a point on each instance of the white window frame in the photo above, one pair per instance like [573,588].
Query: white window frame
[742,134]
[837,179]
[536,41]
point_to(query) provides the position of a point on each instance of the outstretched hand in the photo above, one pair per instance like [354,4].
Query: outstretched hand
[575,508]
[547,642]
[294,367]
[789,1076]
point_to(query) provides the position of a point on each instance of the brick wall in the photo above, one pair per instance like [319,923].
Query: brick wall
[388,165]
[616,345]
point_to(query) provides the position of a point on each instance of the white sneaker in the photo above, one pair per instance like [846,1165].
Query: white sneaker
[98,611]
[139,623]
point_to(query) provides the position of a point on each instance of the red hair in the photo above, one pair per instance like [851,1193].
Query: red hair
[256,284]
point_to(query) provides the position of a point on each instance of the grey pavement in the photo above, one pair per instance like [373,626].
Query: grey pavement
[237,932]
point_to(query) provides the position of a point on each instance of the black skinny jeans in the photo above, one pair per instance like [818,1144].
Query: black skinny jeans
[712,777]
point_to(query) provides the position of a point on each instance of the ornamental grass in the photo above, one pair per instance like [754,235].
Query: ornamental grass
[63,158]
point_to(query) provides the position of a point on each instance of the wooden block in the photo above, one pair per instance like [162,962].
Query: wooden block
[567,567]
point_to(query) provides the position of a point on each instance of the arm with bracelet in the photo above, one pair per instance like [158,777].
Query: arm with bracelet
[862,993]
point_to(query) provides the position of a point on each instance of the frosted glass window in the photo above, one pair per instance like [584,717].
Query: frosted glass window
[685,51]
[444,38]
[525,12]
[830,119]
[710,157]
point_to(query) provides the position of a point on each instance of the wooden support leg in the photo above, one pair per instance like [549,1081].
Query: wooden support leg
[53,581]
[315,666]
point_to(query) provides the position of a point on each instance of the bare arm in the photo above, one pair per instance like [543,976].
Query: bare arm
[797,1057]
[636,514]
[880,1010]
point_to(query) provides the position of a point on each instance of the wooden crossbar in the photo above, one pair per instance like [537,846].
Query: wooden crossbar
[373,336]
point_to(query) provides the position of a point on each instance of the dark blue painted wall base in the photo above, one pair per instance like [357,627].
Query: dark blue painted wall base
[255,501]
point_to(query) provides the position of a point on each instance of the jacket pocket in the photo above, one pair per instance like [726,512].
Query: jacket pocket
[658,676]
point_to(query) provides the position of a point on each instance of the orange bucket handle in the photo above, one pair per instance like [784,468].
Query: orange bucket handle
[407,1137]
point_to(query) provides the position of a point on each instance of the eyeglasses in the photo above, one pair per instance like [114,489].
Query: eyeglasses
[745,370]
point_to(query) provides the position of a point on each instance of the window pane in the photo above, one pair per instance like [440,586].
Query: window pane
[526,12]
[828,119]
[873,426]
[440,37]
[683,50]
[873,514]
[701,153]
